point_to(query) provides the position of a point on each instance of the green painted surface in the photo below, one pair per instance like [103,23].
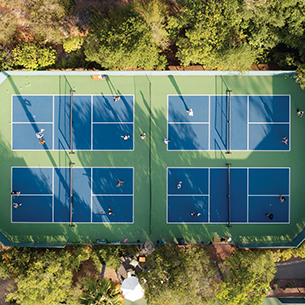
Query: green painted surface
[160,158]
[271,301]
[281,301]
[139,302]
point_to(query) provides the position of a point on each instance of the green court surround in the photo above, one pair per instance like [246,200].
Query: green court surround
[151,158]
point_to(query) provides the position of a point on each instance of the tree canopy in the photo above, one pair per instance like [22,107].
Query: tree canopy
[219,35]
[182,275]
[122,39]
[249,275]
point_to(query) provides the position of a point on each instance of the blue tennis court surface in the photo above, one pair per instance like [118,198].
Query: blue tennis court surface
[98,122]
[257,122]
[254,192]
[45,195]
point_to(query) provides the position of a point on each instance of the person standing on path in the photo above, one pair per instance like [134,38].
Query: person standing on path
[300,113]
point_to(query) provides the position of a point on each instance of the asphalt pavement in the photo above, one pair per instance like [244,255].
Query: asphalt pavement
[291,271]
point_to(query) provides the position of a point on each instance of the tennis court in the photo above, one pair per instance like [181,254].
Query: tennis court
[229,122]
[96,122]
[253,193]
[229,157]
[46,195]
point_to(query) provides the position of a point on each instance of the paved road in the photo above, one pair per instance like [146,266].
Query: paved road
[295,271]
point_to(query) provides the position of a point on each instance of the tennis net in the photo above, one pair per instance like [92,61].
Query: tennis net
[229,194]
[71,194]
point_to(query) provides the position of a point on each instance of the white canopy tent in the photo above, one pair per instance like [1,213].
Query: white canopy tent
[131,289]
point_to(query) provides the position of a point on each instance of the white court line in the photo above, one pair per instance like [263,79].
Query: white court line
[167,195]
[96,123]
[35,195]
[188,123]
[209,198]
[109,195]
[53,191]
[247,195]
[11,200]
[265,195]
[53,127]
[31,123]
[133,207]
[133,129]
[209,130]
[289,195]
[91,123]
[167,123]
[269,123]
[91,198]
[188,195]
[248,119]
[289,129]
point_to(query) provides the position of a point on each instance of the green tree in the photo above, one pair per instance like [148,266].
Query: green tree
[16,261]
[32,57]
[100,292]
[8,26]
[111,255]
[155,14]
[6,59]
[46,281]
[79,255]
[46,19]
[209,33]
[249,275]
[122,40]
[182,275]
[73,43]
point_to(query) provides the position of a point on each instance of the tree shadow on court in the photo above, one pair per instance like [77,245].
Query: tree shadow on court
[9,159]
[114,91]
[176,86]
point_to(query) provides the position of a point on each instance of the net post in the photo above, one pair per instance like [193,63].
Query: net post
[229,124]
[71,121]
[229,195]
[71,194]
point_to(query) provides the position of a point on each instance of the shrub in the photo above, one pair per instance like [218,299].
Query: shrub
[80,254]
[111,255]
[73,44]
[32,57]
